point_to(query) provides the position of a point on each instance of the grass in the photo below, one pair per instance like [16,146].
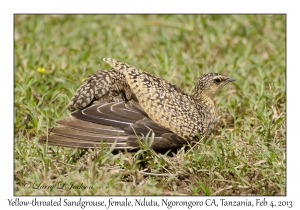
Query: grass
[54,53]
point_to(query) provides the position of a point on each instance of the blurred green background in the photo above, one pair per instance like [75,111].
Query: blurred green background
[54,53]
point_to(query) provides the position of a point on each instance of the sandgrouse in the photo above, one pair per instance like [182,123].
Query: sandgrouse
[124,105]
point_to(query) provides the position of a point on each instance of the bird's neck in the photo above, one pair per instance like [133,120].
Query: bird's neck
[204,102]
[206,109]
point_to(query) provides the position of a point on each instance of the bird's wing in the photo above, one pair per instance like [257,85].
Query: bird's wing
[101,86]
[119,123]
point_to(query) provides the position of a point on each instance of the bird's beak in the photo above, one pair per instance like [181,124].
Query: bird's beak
[230,79]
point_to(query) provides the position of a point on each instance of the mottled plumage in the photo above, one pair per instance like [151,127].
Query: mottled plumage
[185,115]
[105,85]
[150,104]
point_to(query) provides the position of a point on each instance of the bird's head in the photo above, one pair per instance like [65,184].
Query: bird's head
[209,84]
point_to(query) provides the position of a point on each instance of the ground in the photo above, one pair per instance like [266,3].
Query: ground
[53,54]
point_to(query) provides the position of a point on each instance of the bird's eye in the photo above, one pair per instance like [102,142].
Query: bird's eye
[217,80]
